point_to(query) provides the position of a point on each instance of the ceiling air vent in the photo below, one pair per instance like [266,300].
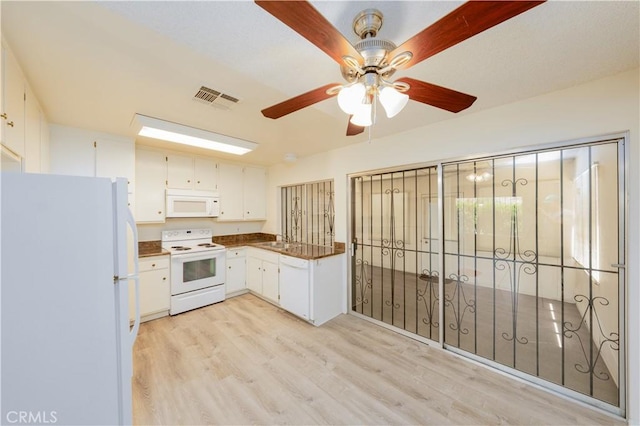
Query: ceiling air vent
[215,98]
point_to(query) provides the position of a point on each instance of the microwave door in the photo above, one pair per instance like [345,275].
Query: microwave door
[188,207]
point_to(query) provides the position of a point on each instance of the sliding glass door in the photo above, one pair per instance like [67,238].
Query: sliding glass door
[523,269]
[395,268]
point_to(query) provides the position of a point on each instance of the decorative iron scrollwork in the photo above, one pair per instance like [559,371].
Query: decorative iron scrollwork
[613,339]
[330,214]
[363,282]
[392,246]
[429,291]
[459,310]
[516,262]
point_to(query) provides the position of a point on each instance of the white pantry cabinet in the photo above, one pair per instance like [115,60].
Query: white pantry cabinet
[13,103]
[35,135]
[236,277]
[243,192]
[188,172]
[23,125]
[263,273]
[155,290]
[151,176]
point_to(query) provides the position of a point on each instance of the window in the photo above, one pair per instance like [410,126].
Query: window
[307,213]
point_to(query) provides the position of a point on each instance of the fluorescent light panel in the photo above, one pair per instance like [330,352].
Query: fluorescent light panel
[178,133]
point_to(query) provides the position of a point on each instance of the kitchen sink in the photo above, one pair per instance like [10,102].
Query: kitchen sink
[278,245]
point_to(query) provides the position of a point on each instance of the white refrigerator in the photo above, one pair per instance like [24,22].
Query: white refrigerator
[66,339]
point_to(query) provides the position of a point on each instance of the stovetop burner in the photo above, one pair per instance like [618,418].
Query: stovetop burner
[189,242]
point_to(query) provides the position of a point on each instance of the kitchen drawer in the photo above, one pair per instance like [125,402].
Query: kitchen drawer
[153,263]
[232,253]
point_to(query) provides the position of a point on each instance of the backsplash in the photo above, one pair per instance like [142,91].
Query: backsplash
[153,231]
[243,238]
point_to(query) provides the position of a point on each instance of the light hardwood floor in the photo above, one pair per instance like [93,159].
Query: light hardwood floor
[244,361]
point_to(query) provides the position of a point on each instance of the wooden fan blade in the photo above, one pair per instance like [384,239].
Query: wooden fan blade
[464,22]
[437,96]
[299,102]
[304,19]
[353,129]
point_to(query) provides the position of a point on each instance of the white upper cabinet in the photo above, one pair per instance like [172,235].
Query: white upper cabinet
[85,153]
[255,190]
[230,187]
[151,176]
[13,103]
[115,159]
[205,174]
[179,171]
[242,192]
[72,152]
[186,172]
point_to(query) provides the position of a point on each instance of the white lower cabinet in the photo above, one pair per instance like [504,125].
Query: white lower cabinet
[236,276]
[155,289]
[262,273]
[310,289]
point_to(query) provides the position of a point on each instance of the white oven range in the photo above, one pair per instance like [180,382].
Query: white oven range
[197,269]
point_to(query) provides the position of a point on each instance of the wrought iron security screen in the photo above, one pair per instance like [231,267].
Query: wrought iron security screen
[308,213]
[522,272]
[531,247]
[395,267]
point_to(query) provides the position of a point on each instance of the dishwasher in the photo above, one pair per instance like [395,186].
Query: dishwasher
[294,285]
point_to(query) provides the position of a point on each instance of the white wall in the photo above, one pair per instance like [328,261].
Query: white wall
[605,106]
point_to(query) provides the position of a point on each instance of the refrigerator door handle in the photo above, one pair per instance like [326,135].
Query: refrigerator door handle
[135,277]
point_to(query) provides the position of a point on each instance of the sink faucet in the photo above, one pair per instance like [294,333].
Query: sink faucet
[283,238]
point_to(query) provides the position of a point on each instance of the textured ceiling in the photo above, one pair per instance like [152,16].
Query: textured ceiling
[95,64]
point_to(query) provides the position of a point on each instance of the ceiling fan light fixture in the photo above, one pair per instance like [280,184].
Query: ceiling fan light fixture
[350,98]
[392,101]
[362,116]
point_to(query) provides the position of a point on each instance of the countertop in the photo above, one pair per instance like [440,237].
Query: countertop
[300,250]
[151,248]
[258,240]
[264,241]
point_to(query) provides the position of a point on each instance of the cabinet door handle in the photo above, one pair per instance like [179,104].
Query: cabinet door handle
[229,267]
[4,115]
[198,181]
[159,211]
[153,265]
[10,123]
[188,180]
[164,278]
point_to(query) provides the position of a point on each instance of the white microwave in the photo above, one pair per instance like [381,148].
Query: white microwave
[191,203]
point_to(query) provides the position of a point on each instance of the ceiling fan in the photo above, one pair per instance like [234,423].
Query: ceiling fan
[368,65]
